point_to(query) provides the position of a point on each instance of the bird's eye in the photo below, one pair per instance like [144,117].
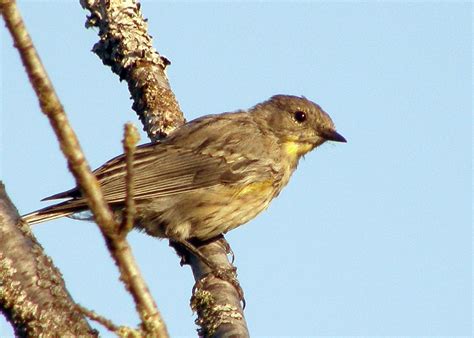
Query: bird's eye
[300,116]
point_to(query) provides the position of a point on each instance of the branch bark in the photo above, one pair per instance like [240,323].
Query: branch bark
[33,295]
[126,47]
[217,301]
[152,324]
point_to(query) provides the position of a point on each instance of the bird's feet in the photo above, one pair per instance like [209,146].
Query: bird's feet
[228,274]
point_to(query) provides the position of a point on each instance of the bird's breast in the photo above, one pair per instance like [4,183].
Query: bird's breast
[294,150]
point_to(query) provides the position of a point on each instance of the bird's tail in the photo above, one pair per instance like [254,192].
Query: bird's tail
[63,209]
[38,217]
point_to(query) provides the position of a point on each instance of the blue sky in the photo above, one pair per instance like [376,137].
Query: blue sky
[372,237]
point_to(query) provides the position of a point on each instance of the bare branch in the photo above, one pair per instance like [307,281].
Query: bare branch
[121,331]
[130,141]
[107,323]
[126,47]
[217,301]
[33,295]
[52,108]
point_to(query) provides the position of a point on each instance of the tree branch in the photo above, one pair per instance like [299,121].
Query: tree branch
[217,301]
[33,295]
[52,108]
[130,140]
[126,47]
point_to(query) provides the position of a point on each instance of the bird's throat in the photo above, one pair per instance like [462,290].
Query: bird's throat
[296,149]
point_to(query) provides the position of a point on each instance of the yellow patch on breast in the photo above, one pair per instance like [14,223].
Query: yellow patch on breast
[296,148]
[255,188]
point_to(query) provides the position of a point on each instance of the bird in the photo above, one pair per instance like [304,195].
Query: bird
[210,175]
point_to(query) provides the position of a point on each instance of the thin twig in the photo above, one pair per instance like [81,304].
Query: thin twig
[107,323]
[52,108]
[121,331]
[130,140]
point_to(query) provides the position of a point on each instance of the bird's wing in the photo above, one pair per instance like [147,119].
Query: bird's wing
[167,170]
[190,158]
[163,170]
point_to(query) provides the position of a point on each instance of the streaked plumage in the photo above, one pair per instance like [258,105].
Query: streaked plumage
[212,174]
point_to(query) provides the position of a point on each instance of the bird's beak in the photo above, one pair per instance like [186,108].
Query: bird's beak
[332,135]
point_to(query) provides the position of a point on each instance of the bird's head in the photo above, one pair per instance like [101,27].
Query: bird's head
[300,124]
